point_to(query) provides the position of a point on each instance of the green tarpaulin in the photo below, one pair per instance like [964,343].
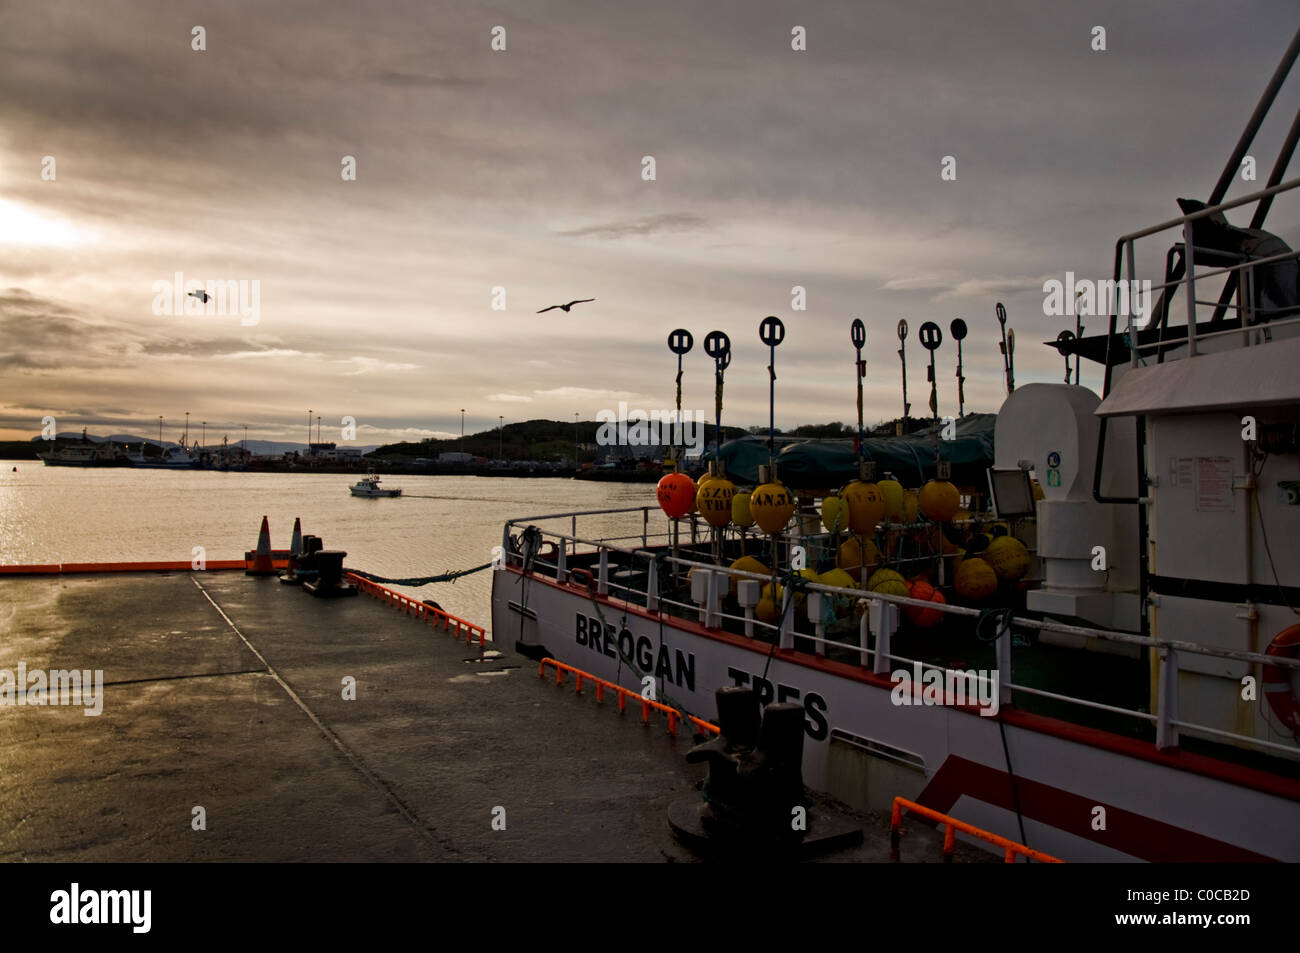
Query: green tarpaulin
[828,464]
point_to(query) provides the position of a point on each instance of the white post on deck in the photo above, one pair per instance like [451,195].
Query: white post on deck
[561,572]
[864,635]
[652,587]
[1167,699]
[814,603]
[884,619]
[602,581]
[787,621]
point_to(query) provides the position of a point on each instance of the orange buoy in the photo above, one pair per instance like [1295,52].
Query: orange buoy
[676,493]
[919,617]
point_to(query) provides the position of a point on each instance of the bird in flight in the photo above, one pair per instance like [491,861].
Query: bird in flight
[566,307]
[201,295]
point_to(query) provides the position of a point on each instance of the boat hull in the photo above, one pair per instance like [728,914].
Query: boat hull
[1084,794]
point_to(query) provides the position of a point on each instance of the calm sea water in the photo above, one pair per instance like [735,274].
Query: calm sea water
[441,523]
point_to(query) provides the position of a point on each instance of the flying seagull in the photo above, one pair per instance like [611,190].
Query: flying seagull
[201,295]
[566,307]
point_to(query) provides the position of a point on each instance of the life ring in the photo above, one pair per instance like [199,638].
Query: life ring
[1277,680]
[586,576]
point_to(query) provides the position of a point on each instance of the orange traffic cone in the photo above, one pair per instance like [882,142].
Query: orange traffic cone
[262,565]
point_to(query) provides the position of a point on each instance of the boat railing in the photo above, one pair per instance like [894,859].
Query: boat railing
[879,619]
[1239,276]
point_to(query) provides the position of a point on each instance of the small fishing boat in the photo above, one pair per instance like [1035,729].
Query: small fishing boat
[369,487]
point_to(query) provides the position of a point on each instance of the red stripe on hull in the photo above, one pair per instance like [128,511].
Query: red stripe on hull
[1125,831]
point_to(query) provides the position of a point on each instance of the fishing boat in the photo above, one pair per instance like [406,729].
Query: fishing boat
[369,487]
[171,458]
[1091,648]
[84,453]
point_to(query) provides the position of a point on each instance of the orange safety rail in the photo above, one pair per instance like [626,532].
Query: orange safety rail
[951,826]
[674,716]
[417,608]
[55,569]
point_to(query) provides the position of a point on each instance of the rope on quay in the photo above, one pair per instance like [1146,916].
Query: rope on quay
[420,580]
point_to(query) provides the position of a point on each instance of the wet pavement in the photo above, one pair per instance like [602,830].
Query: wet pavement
[226,693]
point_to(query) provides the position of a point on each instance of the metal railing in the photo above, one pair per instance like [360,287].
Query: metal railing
[412,606]
[1125,263]
[950,827]
[880,620]
[647,704]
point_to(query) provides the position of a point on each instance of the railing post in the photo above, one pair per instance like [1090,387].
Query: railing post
[1167,699]
[602,580]
[787,620]
[884,619]
[652,586]
[864,636]
[711,620]
[1132,339]
[814,604]
[561,568]
[645,525]
[1003,650]
[1191,289]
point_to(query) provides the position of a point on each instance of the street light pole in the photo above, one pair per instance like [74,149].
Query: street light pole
[204,438]
[160,431]
[308,450]
[575,440]
[462,430]
[187,426]
[501,436]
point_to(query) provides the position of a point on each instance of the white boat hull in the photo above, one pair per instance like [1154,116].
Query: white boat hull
[1085,794]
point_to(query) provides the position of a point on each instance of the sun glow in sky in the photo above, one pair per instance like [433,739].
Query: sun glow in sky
[20,225]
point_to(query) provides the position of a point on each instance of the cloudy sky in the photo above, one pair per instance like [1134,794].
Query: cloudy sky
[522,170]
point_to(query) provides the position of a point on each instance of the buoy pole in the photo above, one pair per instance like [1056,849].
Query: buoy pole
[1006,347]
[858,335]
[902,357]
[680,343]
[931,337]
[958,329]
[771,332]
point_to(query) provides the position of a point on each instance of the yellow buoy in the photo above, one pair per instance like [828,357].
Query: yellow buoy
[833,516]
[713,499]
[939,500]
[858,557]
[747,564]
[866,505]
[771,506]
[740,514]
[887,582]
[892,491]
[1008,557]
[975,579]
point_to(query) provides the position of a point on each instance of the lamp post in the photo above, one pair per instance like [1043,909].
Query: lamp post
[308,430]
[462,430]
[187,426]
[575,440]
[501,436]
[204,438]
[160,431]
[318,428]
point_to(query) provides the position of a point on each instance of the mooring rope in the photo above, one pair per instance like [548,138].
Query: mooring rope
[420,580]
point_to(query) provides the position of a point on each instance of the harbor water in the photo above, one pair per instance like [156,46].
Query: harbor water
[439,524]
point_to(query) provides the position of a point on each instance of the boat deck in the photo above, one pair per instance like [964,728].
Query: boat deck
[225,692]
